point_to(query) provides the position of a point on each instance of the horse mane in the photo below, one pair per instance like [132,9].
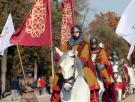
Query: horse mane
[78,64]
[63,57]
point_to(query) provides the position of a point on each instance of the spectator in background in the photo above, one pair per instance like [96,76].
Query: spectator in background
[41,84]
[56,83]
[14,87]
[27,91]
[48,86]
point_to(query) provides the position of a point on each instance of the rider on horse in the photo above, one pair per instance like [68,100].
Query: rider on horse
[100,61]
[117,75]
[77,42]
[115,61]
[122,71]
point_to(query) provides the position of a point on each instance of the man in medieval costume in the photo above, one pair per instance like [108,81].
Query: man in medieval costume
[100,61]
[117,73]
[78,43]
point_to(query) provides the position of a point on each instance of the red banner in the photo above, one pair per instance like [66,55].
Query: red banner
[67,20]
[36,29]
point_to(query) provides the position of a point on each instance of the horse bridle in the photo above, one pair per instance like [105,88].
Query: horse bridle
[72,77]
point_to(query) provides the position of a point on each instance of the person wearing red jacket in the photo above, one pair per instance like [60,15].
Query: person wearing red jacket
[41,84]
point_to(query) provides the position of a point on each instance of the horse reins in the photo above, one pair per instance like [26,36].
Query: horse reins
[72,77]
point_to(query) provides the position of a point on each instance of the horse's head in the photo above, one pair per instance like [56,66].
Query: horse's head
[116,72]
[71,67]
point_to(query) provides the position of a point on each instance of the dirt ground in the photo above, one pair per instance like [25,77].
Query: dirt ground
[130,98]
[42,98]
[46,98]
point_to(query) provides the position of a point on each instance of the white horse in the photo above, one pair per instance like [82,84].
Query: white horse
[75,88]
[118,79]
[100,81]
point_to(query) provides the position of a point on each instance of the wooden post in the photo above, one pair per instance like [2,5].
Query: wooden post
[35,70]
[52,64]
[21,62]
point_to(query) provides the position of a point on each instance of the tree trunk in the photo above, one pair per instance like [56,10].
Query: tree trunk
[3,71]
[35,70]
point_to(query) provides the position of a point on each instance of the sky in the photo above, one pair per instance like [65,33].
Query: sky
[97,6]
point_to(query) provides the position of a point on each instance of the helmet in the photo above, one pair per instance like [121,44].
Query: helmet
[93,41]
[114,55]
[76,28]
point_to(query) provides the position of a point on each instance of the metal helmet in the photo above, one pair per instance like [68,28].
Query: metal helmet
[114,55]
[76,28]
[93,41]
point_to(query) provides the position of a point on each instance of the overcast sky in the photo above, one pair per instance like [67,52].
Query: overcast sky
[117,6]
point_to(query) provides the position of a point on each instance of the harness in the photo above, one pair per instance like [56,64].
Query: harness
[72,78]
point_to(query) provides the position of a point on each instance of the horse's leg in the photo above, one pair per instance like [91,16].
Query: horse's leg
[124,95]
[119,95]
[101,91]
[131,88]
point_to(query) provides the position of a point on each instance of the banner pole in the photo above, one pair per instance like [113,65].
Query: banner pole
[52,63]
[73,13]
[21,62]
